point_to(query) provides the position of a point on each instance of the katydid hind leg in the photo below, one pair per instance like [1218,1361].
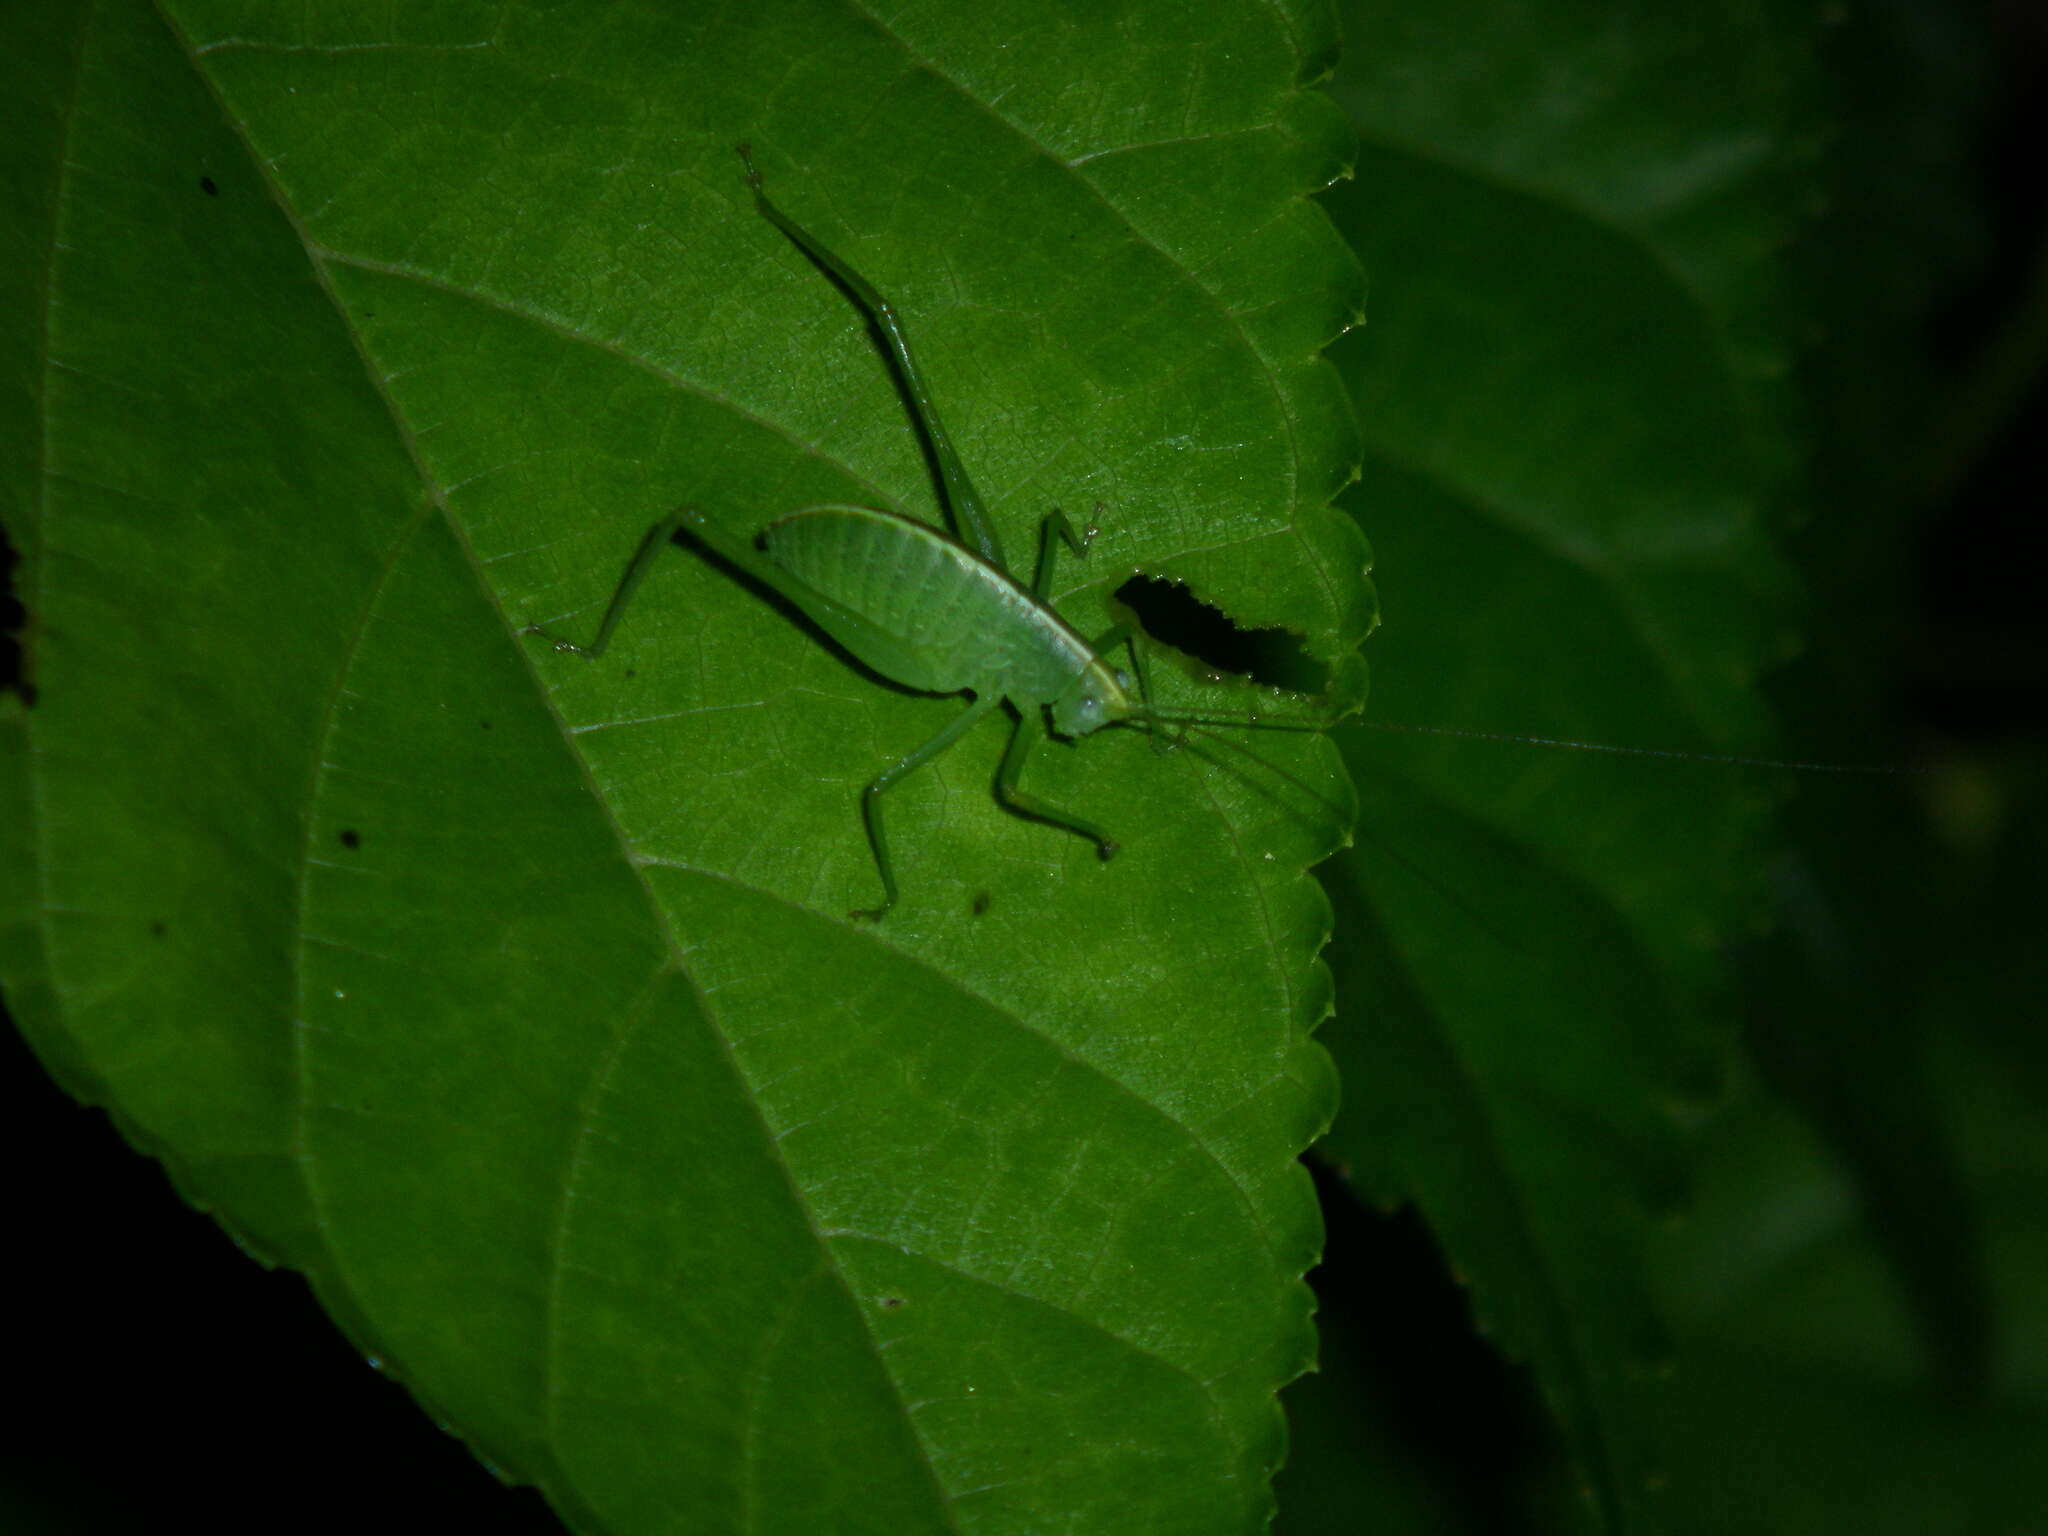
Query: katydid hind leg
[745,557]
[657,539]
[887,779]
[971,521]
[1029,733]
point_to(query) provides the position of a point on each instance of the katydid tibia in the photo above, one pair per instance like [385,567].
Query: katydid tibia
[934,612]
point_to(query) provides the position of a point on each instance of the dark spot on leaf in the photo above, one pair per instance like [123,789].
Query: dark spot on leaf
[1174,616]
[485,724]
[159,929]
[206,185]
[892,1301]
[351,838]
[632,672]
[981,901]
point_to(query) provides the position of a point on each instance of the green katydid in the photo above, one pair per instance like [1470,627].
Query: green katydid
[934,612]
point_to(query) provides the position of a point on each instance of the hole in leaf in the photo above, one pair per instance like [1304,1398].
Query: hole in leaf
[13,625]
[1174,616]
[351,838]
[207,186]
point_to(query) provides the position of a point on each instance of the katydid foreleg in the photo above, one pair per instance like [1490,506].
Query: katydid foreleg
[1130,636]
[1056,526]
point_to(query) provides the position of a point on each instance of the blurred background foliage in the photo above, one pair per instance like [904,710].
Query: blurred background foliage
[1857,1294]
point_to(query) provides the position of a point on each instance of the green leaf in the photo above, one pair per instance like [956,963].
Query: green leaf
[512,997]
[1576,424]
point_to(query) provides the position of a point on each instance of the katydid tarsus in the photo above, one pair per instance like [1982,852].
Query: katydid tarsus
[935,612]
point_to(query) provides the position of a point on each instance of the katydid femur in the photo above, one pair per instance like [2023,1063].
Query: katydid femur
[935,613]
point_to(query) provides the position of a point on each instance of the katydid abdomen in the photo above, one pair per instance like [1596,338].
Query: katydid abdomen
[952,621]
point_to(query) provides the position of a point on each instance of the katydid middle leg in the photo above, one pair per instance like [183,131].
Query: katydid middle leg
[1030,732]
[888,778]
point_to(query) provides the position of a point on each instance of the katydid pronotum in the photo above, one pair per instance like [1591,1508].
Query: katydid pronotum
[934,612]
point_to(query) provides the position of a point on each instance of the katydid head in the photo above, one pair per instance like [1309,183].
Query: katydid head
[1099,695]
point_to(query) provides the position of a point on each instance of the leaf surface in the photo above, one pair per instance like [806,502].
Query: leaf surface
[512,997]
